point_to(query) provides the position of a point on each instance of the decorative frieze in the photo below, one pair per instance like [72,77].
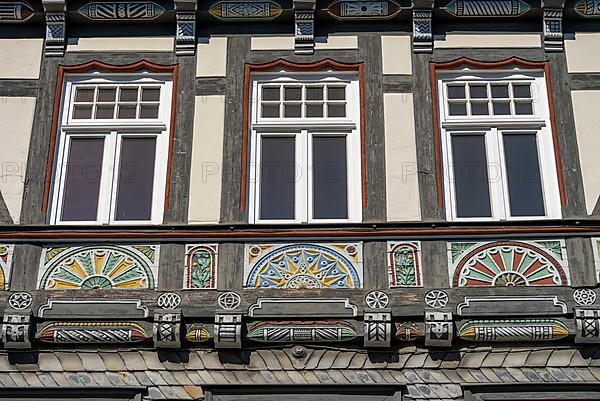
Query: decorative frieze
[436,299]
[304,26]
[55,13]
[529,305]
[121,11]
[99,267]
[439,329]
[408,331]
[249,10]
[377,329]
[166,331]
[169,300]
[229,301]
[588,8]
[15,331]
[308,308]
[553,29]
[197,333]
[92,333]
[487,8]
[513,330]
[303,266]
[185,35]
[508,263]
[377,300]
[404,264]
[15,12]
[422,31]
[228,331]
[584,296]
[92,308]
[346,10]
[200,267]
[587,323]
[20,300]
[302,332]
[6,257]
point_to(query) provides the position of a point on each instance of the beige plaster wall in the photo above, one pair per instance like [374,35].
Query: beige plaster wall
[458,40]
[272,43]
[122,44]
[583,53]
[396,54]
[212,58]
[334,42]
[20,58]
[401,158]
[207,160]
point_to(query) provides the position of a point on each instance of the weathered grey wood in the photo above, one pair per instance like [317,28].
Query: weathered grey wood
[567,139]
[480,54]
[119,58]
[181,153]
[424,140]
[375,266]
[596,211]
[5,217]
[266,56]
[584,81]
[374,136]
[18,87]
[397,83]
[237,51]
[26,261]
[210,86]
[170,268]
[230,267]
[580,255]
[434,264]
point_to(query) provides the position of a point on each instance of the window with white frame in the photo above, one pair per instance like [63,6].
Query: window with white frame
[305,148]
[112,149]
[498,153]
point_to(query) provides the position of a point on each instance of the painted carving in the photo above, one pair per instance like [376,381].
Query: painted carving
[584,296]
[513,330]
[404,264]
[377,300]
[408,331]
[169,300]
[166,331]
[588,8]
[229,301]
[15,331]
[92,333]
[358,10]
[587,322]
[436,299]
[245,10]
[185,33]
[508,263]
[197,333]
[20,300]
[294,332]
[304,26]
[200,267]
[422,31]
[303,266]
[15,12]
[439,329]
[553,29]
[377,329]
[228,331]
[487,8]
[99,267]
[122,11]
[6,256]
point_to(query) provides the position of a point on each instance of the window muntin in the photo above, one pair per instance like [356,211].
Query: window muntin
[497,145]
[111,165]
[312,123]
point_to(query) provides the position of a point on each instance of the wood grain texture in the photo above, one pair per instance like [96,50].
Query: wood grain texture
[5,217]
[375,266]
[170,267]
[26,261]
[434,262]
[18,87]
[580,255]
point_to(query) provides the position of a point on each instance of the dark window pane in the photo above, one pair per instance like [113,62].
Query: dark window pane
[522,90]
[456,92]
[82,112]
[500,91]
[270,110]
[457,109]
[82,180]
[524,108]
[336,110]
[127,110]
[150,95]
[277,178]
[478,91]
[479,109]
[330,182]
[136,179]
[270,93]
[105,111]
[292,93]
[292,110]
[523,175]
[314,93]
[129,95]
[314,110]
[149,111]
[336,93]
[501,108]
[470,176]
[107,94]
[84,95]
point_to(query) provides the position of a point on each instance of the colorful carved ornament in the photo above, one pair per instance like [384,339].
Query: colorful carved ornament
[408,331]
[6,254]
[99,267]
[508,263]
[487,8]
[513,330]
[359,10]
[303,266]
[93,333]
[316,332]
[122,11]
[200,267]
[249,10]
[404,264]
[588,8]
[15,12]
[197,333]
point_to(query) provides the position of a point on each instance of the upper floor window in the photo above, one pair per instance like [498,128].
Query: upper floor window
[497,145]
[305,147]
[112,149]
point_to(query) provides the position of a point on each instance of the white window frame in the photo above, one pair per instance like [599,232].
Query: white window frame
[113,131]
[493,128]
[303,130]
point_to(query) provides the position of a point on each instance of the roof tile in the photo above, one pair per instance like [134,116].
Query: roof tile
[219,377]
[182,378]
[195,392]
[336,376]
[327,360]
[18,379]
[283,377]
[351,376]
[5,365]
[155,378]
[92,362]
[472,359]
[113,361]
[413,392]
[538,358]
[85,379]
[46,379]
[517,374]
[155,394]
[596,372]
[365,378]
[270,359]
[114,378]
[515,359]
[152,360]
[453,390]
[561,357]
[477,374]
[531,374]
[143,379]
[557,373]
[48,362]
[451,360]
[494,360]
[100,379]
[585,374]
[284,359]
[134,361]
[7,381]
[466,375]
[313,361]
[503,375]
[416,361]
[579,360]
[168,392]
[70,361]
[296,377]
[128,378]
[343,360]
[412,376]
[180,393]
[256,362]
[59,378]
[490,375]
[545,375]
[358,360]
[168,377]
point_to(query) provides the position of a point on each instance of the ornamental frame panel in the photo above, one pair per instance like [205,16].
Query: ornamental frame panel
[508,263]
[303,265]
[404,264]
[200,267]
[6,258]
[132,267]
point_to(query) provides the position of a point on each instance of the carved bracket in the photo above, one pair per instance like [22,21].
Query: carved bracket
[166,331]
[55,12]
[439,329]
[304,26]
[553,30]
[422,31]
[587,322]
[228,331]
[378,329]
[16,331]
[185,37]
